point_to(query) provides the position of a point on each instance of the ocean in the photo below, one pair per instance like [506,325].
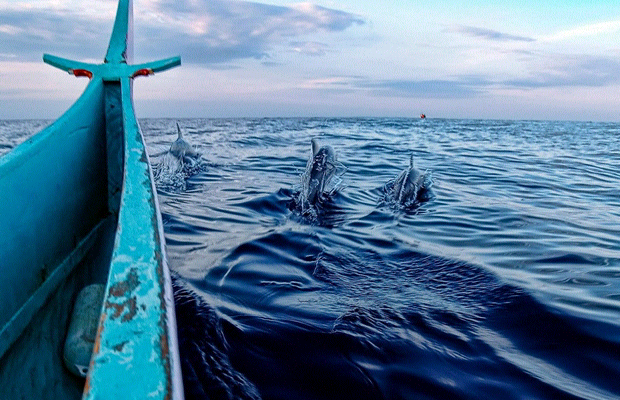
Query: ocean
[504,283]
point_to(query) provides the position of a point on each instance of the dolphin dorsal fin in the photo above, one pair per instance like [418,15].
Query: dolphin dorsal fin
[411,162]
[315,147]
[179,131]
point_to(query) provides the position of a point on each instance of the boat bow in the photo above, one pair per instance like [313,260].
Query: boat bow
[136,350]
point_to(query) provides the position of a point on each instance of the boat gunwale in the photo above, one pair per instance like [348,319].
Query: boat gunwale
[21,153]
[132,320]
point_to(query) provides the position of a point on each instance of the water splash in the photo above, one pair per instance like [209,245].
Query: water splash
[171,173]
[410,187]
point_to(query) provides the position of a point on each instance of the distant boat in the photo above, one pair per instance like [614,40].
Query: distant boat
[80,221]
[422,116]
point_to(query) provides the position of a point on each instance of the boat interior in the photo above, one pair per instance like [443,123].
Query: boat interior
[60,193]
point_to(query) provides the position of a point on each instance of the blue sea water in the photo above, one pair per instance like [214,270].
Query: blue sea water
[503,284]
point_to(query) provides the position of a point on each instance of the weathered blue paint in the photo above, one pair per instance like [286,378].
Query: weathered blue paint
[44,184]
[67,194]
[137,336]
[120,48]
[112,72]
[114,146]
[52,235]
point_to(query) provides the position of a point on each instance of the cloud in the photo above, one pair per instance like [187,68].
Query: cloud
[569,71]
[202,31]
[29,32]
[458,87]
[594,29]
[599,28]
[334,83]
[490,34]
[545,71]
[309,48]
[217,31]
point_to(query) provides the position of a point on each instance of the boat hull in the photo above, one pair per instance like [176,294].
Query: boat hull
[54,192]
[80,207]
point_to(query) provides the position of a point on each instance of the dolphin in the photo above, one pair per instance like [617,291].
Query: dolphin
[411,185]
[320,170]
[181,149]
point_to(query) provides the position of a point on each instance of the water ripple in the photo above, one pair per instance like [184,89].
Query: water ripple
[504,284]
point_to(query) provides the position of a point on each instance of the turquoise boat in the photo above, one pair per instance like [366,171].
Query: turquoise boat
[82,259]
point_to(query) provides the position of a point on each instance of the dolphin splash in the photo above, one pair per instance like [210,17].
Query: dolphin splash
[181,149]
[411,186]
[178,163]
[320,170]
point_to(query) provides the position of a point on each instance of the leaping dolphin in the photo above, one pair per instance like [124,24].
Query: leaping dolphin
[319,172]
[181,149]
[411,185]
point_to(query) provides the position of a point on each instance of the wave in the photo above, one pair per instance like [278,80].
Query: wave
[504,285]
[206,367]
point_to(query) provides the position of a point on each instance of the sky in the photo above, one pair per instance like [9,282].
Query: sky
[526,59]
